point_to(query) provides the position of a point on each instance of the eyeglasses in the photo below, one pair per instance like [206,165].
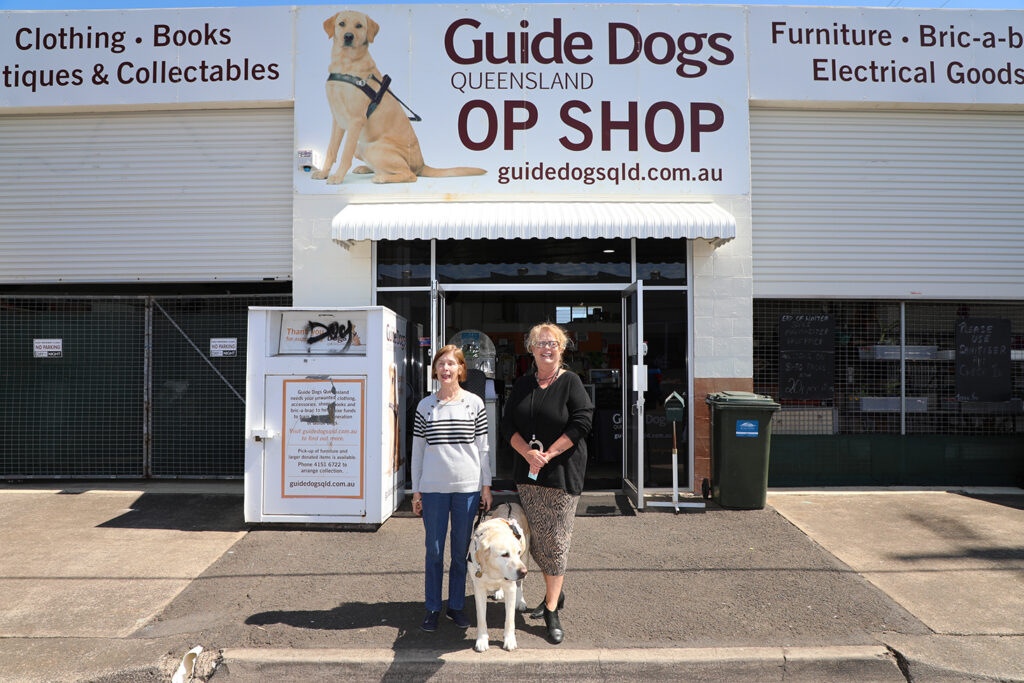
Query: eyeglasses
[546,344]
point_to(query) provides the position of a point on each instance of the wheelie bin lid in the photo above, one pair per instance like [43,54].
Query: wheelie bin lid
[741,398]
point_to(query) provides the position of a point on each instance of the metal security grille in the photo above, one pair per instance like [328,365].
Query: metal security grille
[134,391]
[885,367]
[79,414]
[198,398]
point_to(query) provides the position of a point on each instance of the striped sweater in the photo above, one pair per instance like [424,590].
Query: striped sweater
[450,452]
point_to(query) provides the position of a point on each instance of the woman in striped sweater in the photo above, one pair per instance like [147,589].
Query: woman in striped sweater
[451,477]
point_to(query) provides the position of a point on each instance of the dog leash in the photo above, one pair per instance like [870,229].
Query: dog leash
[375,95]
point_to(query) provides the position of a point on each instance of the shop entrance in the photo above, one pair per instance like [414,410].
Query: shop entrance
[486,294]
[593,321]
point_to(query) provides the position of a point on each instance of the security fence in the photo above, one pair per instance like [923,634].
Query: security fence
[125,386]
[908,392]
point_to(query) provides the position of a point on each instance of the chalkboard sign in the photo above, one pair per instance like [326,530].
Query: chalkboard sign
[806,356]
[983,371]
[807,332]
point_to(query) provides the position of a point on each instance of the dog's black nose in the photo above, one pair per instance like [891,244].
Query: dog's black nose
[521,573]
[349,38]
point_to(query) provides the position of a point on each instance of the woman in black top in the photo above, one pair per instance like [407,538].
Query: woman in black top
[549,415]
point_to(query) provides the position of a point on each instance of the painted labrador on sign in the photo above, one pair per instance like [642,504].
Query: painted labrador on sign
[366,115]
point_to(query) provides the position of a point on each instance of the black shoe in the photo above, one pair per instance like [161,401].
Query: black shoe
[555,632]
[456,615]
[430,621]
[539,612]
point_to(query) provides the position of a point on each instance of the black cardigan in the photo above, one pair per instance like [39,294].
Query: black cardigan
[545,414]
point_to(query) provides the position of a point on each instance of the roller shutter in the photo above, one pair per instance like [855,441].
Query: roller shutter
[887,204]
[183,196]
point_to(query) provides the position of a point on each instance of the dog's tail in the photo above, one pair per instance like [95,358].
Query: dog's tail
[431,172]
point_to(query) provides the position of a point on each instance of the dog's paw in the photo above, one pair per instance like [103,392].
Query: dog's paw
[335,179]
[510,642]
[320,175]
[362,170]
[499,595]
[481,644]
[521,606]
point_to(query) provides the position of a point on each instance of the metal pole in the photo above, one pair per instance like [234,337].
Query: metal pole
[675,468]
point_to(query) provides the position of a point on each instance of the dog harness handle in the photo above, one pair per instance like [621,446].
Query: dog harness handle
[375,95]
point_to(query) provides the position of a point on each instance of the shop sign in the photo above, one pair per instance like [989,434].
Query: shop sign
[886,55]
[145,57]
[550,99]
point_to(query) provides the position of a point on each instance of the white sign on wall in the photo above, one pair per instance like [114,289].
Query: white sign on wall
[47,348]
[145,56]
[886,55]
[223,347]
[626,99]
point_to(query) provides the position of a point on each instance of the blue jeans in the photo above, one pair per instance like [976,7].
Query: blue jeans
[437,507]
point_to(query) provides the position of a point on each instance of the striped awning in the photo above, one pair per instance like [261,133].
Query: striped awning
[526,220]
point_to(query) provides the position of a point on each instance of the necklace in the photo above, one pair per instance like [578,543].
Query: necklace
[545,379]
[450,399]
[534,442]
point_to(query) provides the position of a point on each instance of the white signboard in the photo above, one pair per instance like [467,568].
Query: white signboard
[145,56]
[322,443]
[557,99]
[323,333]
[223,347]
[882,55]
[47,348]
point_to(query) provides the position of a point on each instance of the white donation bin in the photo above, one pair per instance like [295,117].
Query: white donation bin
[324,416]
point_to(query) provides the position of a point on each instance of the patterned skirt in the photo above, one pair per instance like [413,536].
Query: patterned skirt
[551,513]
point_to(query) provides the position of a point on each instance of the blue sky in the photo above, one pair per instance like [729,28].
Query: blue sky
[128,4]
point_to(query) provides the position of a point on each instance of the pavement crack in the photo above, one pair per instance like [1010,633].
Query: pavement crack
[901,662]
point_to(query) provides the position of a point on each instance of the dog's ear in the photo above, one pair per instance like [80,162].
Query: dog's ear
[329,25]
[371,29]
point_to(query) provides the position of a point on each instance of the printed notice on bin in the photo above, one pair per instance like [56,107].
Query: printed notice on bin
[323,332]
[322,444]
[747,428]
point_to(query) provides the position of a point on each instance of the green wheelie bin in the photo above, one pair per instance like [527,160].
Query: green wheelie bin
[741,430]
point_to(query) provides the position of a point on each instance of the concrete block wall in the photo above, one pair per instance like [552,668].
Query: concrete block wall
[723,326]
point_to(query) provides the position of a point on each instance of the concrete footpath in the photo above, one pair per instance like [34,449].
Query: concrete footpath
[118,581]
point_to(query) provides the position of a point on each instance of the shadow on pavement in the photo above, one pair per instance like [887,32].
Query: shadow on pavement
[1010,500]
[182,512]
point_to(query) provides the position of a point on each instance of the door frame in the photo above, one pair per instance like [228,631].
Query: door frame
[634,384]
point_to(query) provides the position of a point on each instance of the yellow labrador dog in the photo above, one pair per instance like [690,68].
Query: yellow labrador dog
[497,562]
[378,130]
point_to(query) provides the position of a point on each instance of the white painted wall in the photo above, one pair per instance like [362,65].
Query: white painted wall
[723,328]
[326,273]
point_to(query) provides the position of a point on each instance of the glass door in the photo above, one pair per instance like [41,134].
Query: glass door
[634,384]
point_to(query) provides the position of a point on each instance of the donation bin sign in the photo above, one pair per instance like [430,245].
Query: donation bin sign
[324,412]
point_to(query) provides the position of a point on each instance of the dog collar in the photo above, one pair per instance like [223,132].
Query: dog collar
[517,531]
